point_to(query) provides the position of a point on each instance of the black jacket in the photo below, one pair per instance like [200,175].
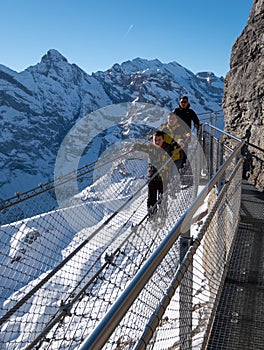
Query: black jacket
[187,115]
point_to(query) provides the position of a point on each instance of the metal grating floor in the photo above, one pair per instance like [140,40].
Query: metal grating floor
[239,321]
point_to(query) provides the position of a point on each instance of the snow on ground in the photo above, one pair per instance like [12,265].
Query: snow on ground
[33,247]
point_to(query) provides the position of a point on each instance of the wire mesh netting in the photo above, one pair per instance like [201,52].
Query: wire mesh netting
[63,268]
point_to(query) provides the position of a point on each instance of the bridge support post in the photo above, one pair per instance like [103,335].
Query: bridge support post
[220,153]
[203,160]
[211,153]
[185,297]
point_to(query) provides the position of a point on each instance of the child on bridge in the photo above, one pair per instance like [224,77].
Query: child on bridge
[159,172]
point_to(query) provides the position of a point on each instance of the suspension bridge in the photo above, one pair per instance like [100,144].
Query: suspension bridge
[95,273]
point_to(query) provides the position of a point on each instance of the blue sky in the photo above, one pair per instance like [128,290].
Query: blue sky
[95,34]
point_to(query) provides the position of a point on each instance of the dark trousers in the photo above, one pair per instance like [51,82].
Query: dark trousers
[155,191]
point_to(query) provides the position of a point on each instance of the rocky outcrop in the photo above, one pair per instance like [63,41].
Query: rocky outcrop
[243,101]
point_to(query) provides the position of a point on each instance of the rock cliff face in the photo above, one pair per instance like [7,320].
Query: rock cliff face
[243,101]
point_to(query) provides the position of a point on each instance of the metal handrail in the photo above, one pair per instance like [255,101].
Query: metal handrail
[98,338]
[179,275]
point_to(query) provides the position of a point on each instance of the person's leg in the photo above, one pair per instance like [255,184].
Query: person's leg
[179,164]
[152,197]
[183,157]
[162,210]
[162,194]
[174,181]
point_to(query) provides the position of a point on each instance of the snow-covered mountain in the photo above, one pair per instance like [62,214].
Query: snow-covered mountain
[40,105]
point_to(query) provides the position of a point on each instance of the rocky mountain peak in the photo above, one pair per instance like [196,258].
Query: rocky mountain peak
[53,56]
[139,64]
[54,65]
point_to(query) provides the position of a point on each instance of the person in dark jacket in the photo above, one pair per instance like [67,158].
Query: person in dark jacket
[158,170]
[186,113]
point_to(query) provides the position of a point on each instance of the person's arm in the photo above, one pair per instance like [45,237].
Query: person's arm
[141,147]
[195,119]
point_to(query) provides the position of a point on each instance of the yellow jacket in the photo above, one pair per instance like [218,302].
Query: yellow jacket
[171,135]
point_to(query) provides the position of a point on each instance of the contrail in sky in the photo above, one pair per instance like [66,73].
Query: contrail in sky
[129,29]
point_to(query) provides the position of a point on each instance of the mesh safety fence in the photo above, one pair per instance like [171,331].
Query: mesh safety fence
[63,268]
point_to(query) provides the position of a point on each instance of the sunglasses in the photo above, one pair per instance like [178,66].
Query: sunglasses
[184,101]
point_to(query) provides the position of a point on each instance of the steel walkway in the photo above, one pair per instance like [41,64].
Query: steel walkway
[239,322]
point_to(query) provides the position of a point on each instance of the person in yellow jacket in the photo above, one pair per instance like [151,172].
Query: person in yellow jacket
[159,175]
[175,134]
